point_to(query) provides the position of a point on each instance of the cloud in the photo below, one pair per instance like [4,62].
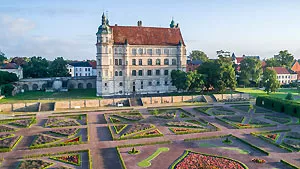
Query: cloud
[17,40]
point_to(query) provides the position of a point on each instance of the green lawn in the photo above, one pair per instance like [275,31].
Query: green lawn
[147,162]
[33,96]
[281,93]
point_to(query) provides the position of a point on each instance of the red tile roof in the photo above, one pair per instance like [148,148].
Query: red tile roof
[9,66]
[263,64]
[239,59]
[93,64]
[139,35]
[280,70]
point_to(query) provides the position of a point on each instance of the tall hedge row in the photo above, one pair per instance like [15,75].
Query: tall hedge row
[276,104]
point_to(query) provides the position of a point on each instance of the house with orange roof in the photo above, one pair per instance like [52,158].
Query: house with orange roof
[284,76]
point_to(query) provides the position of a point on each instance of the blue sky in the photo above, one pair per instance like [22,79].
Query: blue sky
[52,28]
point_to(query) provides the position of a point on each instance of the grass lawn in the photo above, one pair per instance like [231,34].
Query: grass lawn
[147,161]
[281,93]
[34,96]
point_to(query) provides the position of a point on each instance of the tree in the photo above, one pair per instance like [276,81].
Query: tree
[6,77]
[272,62]
[195,81]
[227,74]
[179,79]
[37,67]
[251,69]
[58,68]
[270,81]
[211,71]
[285,58]
[20,60]
[198,55]
[2,57]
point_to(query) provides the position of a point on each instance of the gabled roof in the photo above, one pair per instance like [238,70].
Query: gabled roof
[263,64]
[296,66]
[281,70]
[9,66]
[81,64]
[139,35]
[239,59]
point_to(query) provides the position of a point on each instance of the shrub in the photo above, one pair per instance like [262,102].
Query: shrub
[7,89]
[289,96]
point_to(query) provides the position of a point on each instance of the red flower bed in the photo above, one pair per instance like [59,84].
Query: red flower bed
[77,139]
[257,160]
[201,161]
[272,136]
[152,132]
[71,159]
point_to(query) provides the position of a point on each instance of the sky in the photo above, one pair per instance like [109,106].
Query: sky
[52,28]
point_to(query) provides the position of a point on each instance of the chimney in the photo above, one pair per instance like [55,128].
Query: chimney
[139,23]
[116,24]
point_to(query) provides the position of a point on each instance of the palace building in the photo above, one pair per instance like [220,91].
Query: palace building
[138,59]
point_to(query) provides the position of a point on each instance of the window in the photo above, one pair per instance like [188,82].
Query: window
[120,73]
[116,50]
[149,51]
[157,72]
[79,69]
[120,50]
[70,70]
[85,69]
[140,62]
[166,51]
[158,51]
[120,84]
[120,91]
[166,61]
[149,61]
[158,83]
[140,51]
[133,72]
[120,61]
[149,83]
[116,61]
[89,74]
[166,72]
[133,51]
[157,61]
[116,73]
[133,61]
[106,39]
[99,74]
[173,61]
[85,74]
[89,69]
[76,74]
[140,72]
[106,73]
[149,72]
[166,83]
[76,69]
[105,84]
[142,82]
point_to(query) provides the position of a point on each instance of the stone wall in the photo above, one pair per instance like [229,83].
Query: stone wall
[220,97]
[6,108]
[171,99]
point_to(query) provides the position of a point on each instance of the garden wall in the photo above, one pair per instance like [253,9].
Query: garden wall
[6,107]
[276,104]
[220,97]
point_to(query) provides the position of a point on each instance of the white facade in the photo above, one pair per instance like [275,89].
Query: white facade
[286,78]
[126,69]
[80,71]
[18,71]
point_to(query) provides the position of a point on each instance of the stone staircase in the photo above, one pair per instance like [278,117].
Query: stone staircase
[135,101]
[47,106]
[210,98]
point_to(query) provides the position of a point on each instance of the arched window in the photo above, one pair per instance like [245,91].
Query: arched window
[173,61]
[116,73]
[149,61]
[120,84]
[166,62]
[157,61]
[120,73]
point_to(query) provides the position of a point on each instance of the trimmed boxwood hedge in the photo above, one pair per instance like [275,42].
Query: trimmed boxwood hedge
[279,105]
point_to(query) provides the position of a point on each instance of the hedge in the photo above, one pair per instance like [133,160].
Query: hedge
[121,158]
[206,138]
[279,105]
[251,145]
[144,144]
[289,164]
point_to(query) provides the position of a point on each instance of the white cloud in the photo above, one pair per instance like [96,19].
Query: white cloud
[16,26]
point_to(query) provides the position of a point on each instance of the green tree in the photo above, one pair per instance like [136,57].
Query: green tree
[285,58]
[251,69]
[198,55]
[195,81]
[179,79]
[6,77]
[289,96]
[272,62]
[270,81]
[227,74]
[2,57]
[37,67]
[58,68]
[211,70]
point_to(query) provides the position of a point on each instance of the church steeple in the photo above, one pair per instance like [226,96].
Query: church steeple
[103,19]
[172,25]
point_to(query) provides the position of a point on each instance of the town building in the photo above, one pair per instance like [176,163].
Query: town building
[138,59]
[193,65]
[284,76]
[12,68]
[223,53]
[80,69]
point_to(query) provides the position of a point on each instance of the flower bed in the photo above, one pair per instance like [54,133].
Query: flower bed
[294,144]
[129,117]
[272,136]
[8,144]
[119,128]
[200,122]
[65,132]
[183,124]
[237,119]
[73,140]
[62,123]
[257,122]
[23,122]
[258,160]
[114,120]
[203,110]
[137,127]
[38,164]
[43,139]
[178,130]
[221,113]
[278,119]
[74,159]
[183,115]
[4,136]
[198,160]
[6,129]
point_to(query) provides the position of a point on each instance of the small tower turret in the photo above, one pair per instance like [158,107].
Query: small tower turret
[172,24]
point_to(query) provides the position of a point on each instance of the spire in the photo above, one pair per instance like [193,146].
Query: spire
[103,19]
[172,25]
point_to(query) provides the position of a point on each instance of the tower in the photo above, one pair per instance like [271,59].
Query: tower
[104,58]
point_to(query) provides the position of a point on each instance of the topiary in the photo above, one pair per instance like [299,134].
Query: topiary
[289,96]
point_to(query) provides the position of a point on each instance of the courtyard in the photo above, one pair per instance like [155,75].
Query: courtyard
[211,135]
